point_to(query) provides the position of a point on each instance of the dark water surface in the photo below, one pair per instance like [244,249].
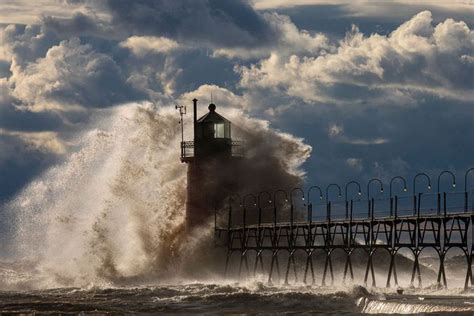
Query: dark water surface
[229,299]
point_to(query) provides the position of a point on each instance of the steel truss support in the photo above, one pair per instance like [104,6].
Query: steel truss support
[440,231]
[392,269]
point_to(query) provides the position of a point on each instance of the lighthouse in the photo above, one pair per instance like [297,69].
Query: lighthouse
[212,159]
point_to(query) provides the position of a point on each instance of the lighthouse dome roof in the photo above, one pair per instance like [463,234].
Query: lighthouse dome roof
[212,116]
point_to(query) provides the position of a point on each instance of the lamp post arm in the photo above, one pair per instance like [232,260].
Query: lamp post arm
[296,189]
[448,172]
[414,181]
[308,194]
[347,186]
[249,195]
[368,186]
[327,190]
[404,183]
[268,195]
[275,195]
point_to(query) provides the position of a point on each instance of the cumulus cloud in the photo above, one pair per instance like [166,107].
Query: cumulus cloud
[414,58]
[70,76]
[142,46]
[47,142]
[368,7]
[290,40]
[83,24]
[30,12]
[220,96]
[24,44]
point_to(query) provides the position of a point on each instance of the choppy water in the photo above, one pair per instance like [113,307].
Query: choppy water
[251,298]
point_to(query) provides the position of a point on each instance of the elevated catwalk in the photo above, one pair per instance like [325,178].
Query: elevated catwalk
[275,224]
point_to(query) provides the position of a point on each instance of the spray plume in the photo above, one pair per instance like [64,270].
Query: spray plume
[113,211]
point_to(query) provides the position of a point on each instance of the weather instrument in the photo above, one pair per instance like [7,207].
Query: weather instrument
[182,111]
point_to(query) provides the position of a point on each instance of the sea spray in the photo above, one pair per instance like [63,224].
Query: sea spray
[113,211]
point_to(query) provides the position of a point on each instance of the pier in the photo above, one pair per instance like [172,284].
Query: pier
[298,222]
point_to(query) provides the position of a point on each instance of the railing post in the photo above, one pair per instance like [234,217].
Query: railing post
[439,203]
[396,207]
[291,224]
[444,203]
[291,215]
[274,216]
[391,206]
[414,204]
[328,233]
[310,221]
[328,213]
[349,240]
[368,208]
[229,223]
[419,205]
[310,213]
[347,209]
[373,209]
[466,202]
[352,210]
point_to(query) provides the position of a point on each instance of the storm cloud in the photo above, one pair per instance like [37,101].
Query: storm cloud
[386,98]
[221,23]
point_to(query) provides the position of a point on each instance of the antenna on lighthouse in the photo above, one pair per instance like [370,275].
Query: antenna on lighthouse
[182,111]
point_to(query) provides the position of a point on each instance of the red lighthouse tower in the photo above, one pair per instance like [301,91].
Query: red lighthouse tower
[212,159]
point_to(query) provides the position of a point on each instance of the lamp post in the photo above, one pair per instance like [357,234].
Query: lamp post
[466,200]
[229,222]
[310,210]
[310,205]
[391,198]
[414,188]
[231,200]
[347,202]
[328,204]
[439,193]
[291,202]
[269,201]
[245,209]
[292,212]
[275,196]
[371,213]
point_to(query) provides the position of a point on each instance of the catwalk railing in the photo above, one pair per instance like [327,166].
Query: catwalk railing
[290,223]
[187,149]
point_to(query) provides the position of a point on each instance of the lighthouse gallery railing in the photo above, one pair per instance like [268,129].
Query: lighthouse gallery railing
[187,149]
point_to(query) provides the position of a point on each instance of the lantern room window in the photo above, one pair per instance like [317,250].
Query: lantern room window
[219,130]
[212,126]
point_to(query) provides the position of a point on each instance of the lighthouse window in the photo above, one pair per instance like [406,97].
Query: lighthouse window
[219,130]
